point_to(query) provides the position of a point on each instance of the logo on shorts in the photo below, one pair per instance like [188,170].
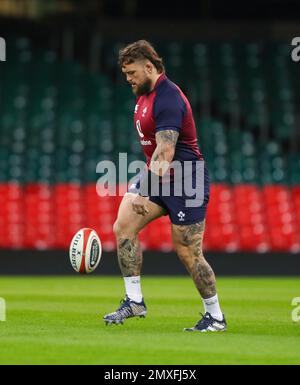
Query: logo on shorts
[181,216]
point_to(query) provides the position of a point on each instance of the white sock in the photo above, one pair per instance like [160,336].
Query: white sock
[212,306]
[133,288]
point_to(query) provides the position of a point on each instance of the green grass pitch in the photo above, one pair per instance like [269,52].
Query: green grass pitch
[58,320]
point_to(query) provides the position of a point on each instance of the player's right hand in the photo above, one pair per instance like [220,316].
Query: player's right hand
[139,205]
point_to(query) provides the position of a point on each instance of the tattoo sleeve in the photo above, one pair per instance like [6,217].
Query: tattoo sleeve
[167,137]
[191,237]
[165,149]
[130,256]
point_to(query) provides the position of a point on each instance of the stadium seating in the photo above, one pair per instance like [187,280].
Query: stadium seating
[57,121]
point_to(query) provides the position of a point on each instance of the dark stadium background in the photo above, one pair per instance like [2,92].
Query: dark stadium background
[64,106]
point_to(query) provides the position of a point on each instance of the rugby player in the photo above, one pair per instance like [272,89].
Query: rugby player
[164,121]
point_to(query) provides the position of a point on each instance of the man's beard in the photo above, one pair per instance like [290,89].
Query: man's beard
[144,88]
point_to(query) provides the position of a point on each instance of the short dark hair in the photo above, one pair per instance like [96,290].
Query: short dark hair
[140,50]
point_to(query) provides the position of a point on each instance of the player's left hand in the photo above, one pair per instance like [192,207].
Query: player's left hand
[139,205]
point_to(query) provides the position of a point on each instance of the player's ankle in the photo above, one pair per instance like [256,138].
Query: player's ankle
[212,306]
[133,288]
[135,298]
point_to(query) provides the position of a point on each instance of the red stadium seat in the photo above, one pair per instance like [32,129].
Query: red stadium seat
[12,220]
[159,234]
[241,217]
[254,238]
[221,237]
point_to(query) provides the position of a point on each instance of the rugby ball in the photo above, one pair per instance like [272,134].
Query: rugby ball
[85,251]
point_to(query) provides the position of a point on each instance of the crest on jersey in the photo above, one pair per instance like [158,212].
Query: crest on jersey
[144,112]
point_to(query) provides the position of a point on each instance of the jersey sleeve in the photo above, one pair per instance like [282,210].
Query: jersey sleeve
[168,112]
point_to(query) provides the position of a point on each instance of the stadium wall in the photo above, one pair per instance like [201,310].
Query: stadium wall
[31,262]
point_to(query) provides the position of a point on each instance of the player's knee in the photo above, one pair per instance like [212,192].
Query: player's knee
[188,254]
[117,228]
[182,252]
[122,229]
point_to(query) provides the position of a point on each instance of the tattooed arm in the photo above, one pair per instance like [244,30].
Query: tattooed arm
[160,162]
[164,153]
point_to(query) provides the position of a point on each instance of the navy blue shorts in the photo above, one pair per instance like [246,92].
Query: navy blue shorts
[185,209]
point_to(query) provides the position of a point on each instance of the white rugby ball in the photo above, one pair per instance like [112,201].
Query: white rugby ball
[85,251]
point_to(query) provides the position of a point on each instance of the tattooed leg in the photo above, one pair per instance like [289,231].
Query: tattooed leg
[188,244]
[126,229]
[204,278]
[129,256]
[130,223]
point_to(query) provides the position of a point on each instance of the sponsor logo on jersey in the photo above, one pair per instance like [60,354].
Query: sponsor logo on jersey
[146,142]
